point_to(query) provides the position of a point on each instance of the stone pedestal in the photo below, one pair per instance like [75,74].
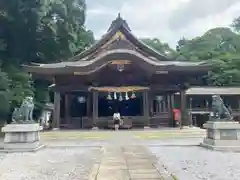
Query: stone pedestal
[222,136]
[21,137]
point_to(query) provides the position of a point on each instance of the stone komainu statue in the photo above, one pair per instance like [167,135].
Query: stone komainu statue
[220,111]
[25,112]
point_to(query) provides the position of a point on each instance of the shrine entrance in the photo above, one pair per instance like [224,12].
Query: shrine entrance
[126,106]
[91,86]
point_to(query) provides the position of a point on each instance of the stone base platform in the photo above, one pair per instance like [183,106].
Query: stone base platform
[21,138]
[18,148]
[222,136]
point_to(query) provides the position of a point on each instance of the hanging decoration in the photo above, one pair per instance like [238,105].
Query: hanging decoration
[109,97]
[126,96]
[120,67]
[119,89]
[120,97]
[133,95]
[120,93]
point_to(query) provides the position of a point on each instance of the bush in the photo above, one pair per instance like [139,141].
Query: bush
[4,97]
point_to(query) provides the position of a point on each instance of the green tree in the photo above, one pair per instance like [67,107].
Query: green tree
[4,96]
[160,47]
[219,46]
[236,24]
[42,31]
[63,30]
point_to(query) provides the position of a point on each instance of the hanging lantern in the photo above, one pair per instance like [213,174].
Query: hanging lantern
[126,96]
[115,95]
[133,95]
[120,97]
[81,99]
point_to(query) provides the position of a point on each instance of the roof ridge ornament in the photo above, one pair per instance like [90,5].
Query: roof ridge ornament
[119,21]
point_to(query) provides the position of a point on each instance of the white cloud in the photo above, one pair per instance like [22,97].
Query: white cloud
[168,20]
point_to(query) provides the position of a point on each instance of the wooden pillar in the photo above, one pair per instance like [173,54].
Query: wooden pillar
[56,111]
[164,104]
[147,107]
[238,102]
[172,101]
[67,108]
[95,107]
[169,109]
[144,103]
[157,107]
[88,105]
[238,97]
[151,103]
[190,111]
[160,106]
[184,117]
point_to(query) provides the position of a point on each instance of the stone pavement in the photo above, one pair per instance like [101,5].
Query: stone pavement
[97,155]
[128,163]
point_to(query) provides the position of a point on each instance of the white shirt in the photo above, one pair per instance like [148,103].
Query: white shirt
[116,116]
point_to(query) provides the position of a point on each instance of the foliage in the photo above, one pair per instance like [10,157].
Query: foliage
[4,95]
[219,46]
[20,86]
[236,24]
[41,31]
[157,45]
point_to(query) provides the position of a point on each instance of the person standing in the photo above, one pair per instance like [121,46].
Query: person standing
[116,119]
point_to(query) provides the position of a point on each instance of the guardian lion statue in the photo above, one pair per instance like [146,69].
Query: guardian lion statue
[24,114]
[220,111]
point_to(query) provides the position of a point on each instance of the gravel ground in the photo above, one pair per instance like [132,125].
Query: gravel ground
[49,164]
[73,159]
[196,163]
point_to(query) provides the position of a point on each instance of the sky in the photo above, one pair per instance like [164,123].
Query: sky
[168,20]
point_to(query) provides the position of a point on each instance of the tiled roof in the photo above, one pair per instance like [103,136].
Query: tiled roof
[86,63]
[213,90]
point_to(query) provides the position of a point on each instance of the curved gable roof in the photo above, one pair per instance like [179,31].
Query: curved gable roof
[121,25]
[106,58]
[99,55]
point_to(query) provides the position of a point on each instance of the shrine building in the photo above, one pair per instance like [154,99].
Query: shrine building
[118,73]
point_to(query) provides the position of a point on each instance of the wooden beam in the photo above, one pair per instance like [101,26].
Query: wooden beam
[69,88]
[163,88]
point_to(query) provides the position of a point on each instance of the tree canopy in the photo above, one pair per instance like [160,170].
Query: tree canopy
[218,46]
[41,31]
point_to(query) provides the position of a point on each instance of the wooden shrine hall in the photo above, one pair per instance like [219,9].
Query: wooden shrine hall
[118,73]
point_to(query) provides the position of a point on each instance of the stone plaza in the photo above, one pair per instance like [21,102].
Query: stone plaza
[138,154]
